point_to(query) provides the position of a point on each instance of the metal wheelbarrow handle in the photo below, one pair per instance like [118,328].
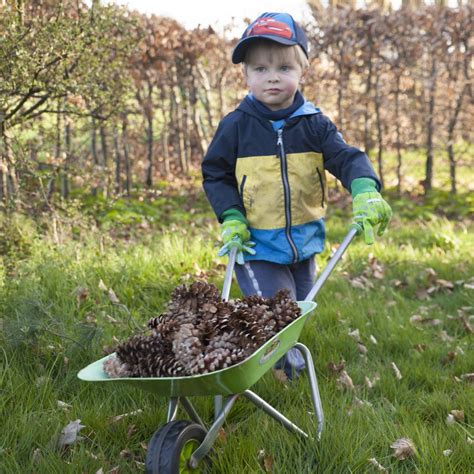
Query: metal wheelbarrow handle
[331,264]
[319,282]
[228,274]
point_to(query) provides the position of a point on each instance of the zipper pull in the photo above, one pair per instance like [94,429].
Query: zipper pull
[280,137]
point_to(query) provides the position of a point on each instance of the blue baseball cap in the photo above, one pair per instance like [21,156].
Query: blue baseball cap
[279,27]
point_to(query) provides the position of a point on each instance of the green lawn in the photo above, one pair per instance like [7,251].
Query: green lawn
[410,297]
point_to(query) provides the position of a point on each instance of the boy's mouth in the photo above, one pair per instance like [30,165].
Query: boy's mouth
[273,90]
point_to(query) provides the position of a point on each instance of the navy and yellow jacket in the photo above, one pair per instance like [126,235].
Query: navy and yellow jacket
[274,173]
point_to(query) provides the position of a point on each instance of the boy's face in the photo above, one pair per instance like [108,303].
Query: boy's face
[273,77]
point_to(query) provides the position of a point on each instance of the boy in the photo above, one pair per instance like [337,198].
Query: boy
[264,171]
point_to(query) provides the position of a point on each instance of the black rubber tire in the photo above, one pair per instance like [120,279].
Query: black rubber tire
[164,449]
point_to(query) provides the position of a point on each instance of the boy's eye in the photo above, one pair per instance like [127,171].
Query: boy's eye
[285,68]
[260,69]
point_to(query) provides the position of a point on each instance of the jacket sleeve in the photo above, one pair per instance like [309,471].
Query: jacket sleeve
[218,170]
[344,162]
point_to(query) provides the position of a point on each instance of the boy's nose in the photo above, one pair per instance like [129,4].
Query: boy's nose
[274,77]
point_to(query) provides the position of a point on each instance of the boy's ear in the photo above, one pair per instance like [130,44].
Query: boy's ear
[303,76]
[244,72]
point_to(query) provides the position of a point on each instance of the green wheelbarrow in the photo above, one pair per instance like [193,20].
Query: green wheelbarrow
[179,446]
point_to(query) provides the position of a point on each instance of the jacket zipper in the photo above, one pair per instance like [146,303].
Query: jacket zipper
[242,184]
[322,187]
[286,194]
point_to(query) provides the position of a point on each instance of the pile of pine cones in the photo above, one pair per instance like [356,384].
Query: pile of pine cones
[201,333]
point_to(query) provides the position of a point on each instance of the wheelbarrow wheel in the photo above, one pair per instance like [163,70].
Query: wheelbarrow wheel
[171,446]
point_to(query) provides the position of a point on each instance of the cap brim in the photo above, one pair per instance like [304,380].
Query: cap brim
[238,55]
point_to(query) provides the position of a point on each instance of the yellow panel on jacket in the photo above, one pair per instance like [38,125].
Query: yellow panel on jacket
[261,187]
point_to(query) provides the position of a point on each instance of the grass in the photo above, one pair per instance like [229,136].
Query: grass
[57,317]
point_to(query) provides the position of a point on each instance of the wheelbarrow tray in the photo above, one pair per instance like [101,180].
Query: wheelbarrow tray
[228,381]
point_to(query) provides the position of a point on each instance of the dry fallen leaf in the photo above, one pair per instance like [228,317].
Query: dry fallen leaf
[280,375]
[447,452]
[36,456]
[335,369]
[449,285]
[102,285]
[467,325]
[419,347]
[63,405]
[450,356]
[417,319]
[131,430]
[373,340]
[126,454]
[377,465]
[345,381]
[396,371]
[404,448]
[265,461]
[450,420]
[445,337]
[362,349]
[81,295]
[468,377]
[116,418]
[70,434]
[361,403]
[458,415]
[110,319]
[113,297]
[355,334]
[371,383]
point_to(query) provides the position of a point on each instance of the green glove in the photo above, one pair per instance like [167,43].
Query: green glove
[369,209]
[235,234]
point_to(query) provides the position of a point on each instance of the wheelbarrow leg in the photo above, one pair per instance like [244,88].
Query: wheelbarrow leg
[191,411]
[313,381]
[267,408]
[213,432]
[217,405]
[172,409]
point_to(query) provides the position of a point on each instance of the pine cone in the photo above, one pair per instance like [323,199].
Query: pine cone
[284,308]
[200,333]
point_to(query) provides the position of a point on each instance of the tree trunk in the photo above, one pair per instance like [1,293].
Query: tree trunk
[378,118]
[95,158]
[181,138]
[64,176]
[178,107]
[117,159]
[9,184]
[58,139]
[195,117]
[205,89]
[149,136]
[186,126]
[428,182]
[368,88]
[165,134]
[126,157]
[105,159]
[398,144]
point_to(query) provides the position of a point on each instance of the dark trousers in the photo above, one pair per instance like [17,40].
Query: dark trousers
[262,278]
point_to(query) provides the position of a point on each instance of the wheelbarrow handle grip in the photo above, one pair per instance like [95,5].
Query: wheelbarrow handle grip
[331,264]
[228,274]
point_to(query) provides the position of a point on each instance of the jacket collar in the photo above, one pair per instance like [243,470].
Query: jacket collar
[300,107]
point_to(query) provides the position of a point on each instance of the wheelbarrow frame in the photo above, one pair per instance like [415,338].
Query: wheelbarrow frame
[227,385]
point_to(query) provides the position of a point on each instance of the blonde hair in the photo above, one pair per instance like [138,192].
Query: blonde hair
[275,51]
